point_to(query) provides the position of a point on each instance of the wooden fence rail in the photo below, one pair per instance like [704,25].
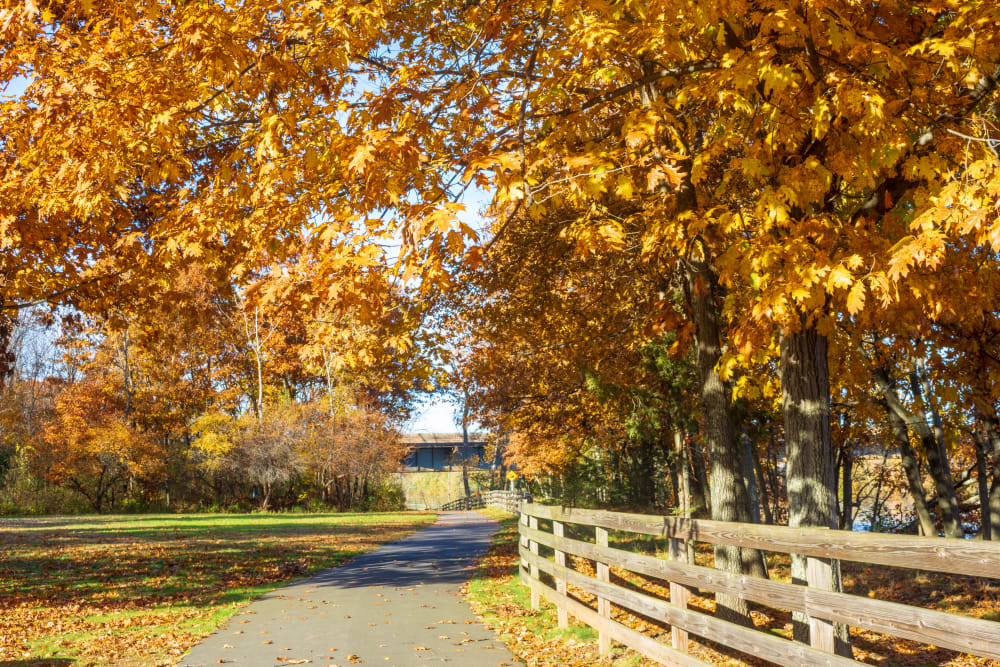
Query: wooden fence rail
[505,500]
[822,606]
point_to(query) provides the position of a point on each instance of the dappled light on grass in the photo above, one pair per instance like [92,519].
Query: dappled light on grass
[142,590]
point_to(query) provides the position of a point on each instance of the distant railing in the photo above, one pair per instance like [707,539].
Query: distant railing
[822,606]
[505,500]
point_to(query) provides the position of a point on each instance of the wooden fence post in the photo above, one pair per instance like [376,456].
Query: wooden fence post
[524,540]
[819,574]
[678,595]
[536,600]
[603,606]
[560,558]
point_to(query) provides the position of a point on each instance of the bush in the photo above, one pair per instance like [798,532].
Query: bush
[27,495]
[386,497]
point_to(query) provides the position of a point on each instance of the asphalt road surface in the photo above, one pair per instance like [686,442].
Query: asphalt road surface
[398,605]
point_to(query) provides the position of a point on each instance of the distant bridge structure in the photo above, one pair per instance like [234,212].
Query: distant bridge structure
[444,451]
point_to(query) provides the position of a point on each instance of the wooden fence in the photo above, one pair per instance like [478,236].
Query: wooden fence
[505,500]
[822,606]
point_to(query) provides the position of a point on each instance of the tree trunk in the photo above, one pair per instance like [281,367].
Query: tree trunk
[681,483]
[991,435]
[943,483]
[846,487]
[772,474]
[765,501]
[932,438]
[267,496]
[465,441]
[328,371]
[727,486]
[699,490]
[748,474]
[684,484]
[875,525]
[805,407]
[985,529]
[911,467]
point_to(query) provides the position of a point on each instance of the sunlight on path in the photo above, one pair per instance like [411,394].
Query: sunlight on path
[398,605]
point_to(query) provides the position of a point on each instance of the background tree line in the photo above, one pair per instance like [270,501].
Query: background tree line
[203,402]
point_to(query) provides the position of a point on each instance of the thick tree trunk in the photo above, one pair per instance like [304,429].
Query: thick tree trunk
[943,483]
[727,486]
[805,407]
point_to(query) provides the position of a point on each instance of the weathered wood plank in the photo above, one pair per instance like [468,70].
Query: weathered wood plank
[975,558]
[603,606]
[819,575]
[647,646]
[522,521]
[960,633]
[678,595]
[560,559]
[775,649]
[533,546]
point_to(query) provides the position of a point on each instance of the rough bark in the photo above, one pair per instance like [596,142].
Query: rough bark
[944,485]
[727,486]
[805,407]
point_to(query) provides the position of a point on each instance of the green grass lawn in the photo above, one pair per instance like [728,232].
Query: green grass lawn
[141,590]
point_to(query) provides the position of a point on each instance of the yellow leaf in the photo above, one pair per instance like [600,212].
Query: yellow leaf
[840,277]
[856,298]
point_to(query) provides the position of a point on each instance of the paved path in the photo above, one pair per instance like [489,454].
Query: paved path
[397,605]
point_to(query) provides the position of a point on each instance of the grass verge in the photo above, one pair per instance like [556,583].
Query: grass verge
[141,590]
[504,604]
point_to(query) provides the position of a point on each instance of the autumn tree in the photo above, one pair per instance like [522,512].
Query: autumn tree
[801,173]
